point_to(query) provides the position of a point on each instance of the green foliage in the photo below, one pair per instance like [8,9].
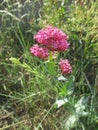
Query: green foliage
[28,91]
[58,9]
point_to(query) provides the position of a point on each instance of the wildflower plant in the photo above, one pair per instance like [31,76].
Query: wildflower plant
[32,87]
[52,40]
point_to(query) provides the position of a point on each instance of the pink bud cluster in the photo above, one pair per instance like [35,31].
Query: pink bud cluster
[40,52]
[65,67]
[52,38]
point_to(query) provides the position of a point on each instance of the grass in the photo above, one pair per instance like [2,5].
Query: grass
[28,91]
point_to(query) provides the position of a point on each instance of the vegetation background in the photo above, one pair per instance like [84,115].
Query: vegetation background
[27,91]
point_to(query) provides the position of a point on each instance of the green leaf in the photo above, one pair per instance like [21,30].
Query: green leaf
[15,61]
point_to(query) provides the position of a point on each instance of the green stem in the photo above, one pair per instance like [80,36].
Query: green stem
[51,65]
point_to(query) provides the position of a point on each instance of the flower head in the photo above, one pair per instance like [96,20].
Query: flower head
[52,38]
[38,51]
[65,67]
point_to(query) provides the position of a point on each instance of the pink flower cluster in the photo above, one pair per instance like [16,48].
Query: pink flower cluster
[52,38]
[65,67]
[40,52]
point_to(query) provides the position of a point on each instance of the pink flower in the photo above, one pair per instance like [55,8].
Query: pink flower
[65,67]
[40,52]
[52,38]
